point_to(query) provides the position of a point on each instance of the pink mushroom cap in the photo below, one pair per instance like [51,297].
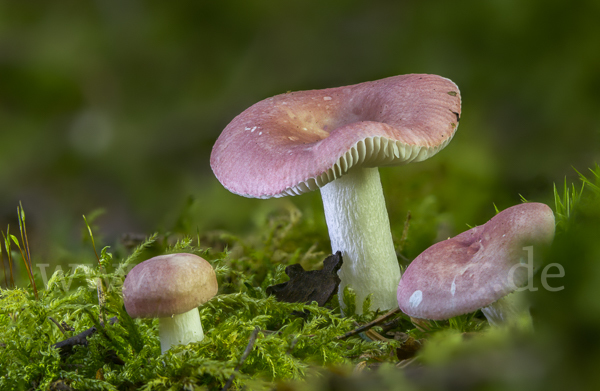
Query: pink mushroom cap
[299,141]
[168,285]
[476,268]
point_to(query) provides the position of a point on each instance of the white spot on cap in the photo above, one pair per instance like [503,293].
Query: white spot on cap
[253,129]
[415,299]
[259,133]
[327,98]
[246,128]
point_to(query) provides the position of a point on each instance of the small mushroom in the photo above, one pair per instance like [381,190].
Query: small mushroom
[334,140]
[477,269]
[171,287]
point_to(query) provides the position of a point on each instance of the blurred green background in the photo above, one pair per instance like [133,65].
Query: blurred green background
[116,104]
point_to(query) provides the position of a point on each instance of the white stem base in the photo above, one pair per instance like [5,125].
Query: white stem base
[359,227]
[509,310]
[180,329]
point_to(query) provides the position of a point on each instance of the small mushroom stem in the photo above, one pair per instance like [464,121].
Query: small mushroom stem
[509,310]
[180,329]
[359,227]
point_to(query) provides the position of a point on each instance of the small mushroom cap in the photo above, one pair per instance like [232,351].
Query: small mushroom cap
[297,142]
[168,285]
[476,268]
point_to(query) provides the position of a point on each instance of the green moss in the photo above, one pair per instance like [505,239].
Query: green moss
[297,346]
[126,355]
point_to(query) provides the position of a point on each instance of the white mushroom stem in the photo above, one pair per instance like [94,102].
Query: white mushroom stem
[511,309]
[359,227]
[180,329]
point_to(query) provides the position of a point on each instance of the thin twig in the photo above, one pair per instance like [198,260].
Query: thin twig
[390,325]
[373,335]
[405,363]
[58,325]
[243,358]
[79,339]
[29,273]
[369,325]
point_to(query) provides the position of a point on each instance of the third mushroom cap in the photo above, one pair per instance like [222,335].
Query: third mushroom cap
[477,268]
[334,139]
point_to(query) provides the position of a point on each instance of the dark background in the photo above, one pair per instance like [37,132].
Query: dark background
[116,104]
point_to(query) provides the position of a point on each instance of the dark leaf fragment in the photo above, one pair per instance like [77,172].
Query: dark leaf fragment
[65,347]
[308,286]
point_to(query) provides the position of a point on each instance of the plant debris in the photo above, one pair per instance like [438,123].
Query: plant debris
[312,285]
[247,351]
[370,324]
[65,347]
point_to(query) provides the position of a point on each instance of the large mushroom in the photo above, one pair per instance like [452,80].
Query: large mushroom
[171,287]
[479,268]
[334,139]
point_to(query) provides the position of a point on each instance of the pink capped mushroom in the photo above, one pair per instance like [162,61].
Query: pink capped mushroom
[170,288]
[334,140]
[477,269]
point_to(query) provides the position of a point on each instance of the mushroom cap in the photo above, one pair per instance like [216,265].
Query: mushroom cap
[476,268]
[168,285]
[299,141]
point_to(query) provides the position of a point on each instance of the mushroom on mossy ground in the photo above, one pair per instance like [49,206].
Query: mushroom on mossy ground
[334,139]
[478,269]
[171,287]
